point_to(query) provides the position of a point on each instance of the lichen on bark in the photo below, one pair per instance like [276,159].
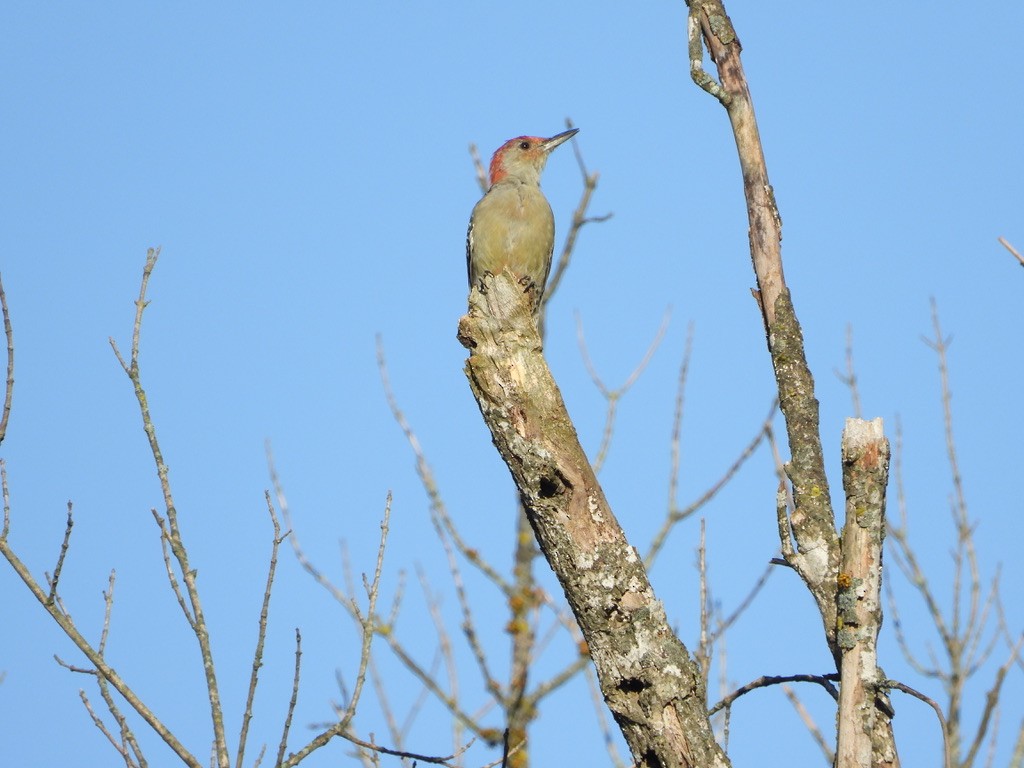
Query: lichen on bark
[646,674]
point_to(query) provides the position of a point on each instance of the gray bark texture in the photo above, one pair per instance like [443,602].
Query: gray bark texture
[647,676]
[864,727]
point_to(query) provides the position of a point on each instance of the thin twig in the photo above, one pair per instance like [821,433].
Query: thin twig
[559,679]
[300,554]
[906,561]
[368,629]
[368,623]
[1017,758]
[128,740]
[522,631]
[613,396]
[567,622]
[9,386]
[478,168]
[962,631]
[7,500]
[101,667]
[175,540]
[429,482]
[261,632]
[384,702]
[704,646]
[165,542]
[1011,249]
[286,727]
[445,649]
[601,713]
[849,378]
[991,702]
[433,760]
[810,725]
[825,681]
[60,557]
[677,515]
[51,603]
[127,746]
[677,420]
[102,728]
[108,611]
[466,608]
[897,685]
[424,676]
[579,220]
[747,601]
[990,757]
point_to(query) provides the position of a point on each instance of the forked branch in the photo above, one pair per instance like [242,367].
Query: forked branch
[818,552]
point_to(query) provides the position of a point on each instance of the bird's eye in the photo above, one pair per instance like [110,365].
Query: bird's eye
[524,145]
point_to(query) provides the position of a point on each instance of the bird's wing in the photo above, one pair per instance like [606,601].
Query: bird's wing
[469,254]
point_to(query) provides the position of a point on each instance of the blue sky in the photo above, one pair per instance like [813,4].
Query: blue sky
[305,170]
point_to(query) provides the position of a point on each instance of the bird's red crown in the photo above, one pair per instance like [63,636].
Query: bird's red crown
[497,170]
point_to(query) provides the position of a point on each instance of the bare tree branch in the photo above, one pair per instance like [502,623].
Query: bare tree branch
[812,727]
[655,700]
[50,600]
[175,540]
[677,515]
[433,760]
[261,632]
[962,628]
[9,385]
[825,681]
[864,733]
[896,685]
[849,378]
[438,509]
[94,657]
[368,628]
[60,557]
[282,745]
[613,396]
[1012,250]
[579,220]
[819,551]
[817,556]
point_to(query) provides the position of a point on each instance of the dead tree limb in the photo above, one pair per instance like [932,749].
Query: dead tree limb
[863,732]
[819,552]
[646,674]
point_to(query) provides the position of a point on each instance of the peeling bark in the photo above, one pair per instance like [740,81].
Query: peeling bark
[647,676]
[864,728]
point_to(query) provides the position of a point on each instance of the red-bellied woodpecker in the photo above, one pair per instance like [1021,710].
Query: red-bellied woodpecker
[512,225]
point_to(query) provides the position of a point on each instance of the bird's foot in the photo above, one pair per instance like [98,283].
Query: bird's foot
[535,292]
[480,282]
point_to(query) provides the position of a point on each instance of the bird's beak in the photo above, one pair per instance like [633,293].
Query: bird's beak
[548,144]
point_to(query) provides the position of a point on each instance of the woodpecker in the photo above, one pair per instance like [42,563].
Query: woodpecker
[512,225]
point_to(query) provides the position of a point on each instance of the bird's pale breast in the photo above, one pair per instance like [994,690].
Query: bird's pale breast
[512,227]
